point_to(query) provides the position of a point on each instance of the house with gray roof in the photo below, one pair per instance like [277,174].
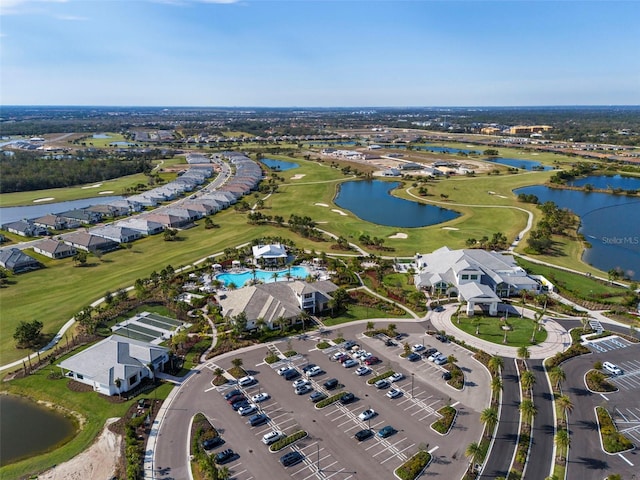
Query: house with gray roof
[277,303]
[116,364]
[54,249]
[17,261]
[82,215]
[475,276]
[89,242]
[25,228]
[142,225]
[55,222]
[117,233]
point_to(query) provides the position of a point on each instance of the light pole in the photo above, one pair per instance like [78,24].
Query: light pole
[412,376]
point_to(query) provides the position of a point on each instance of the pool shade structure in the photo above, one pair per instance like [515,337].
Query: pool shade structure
[271,255]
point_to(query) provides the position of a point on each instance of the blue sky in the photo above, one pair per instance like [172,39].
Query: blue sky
[319,53]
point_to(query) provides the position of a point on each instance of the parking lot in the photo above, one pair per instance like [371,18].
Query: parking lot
[330,445]
[607,344]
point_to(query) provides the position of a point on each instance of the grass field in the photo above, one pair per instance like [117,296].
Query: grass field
[490,329]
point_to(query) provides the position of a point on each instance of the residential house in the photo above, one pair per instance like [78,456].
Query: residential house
[167,220]
[117,233]
[17,261]
[116,364]
[56,222]
[142,225]
[82,215]
[25,228]
[89,242]
[54,249]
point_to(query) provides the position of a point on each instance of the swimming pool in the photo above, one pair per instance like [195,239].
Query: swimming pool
[240,279]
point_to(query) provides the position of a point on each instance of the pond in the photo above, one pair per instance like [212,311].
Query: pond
[239,279]
[101,135]
[610,224]
[372,201]
[435,149]
[519,163]
[13,214]
[47,429]
[607,182]
[279,165]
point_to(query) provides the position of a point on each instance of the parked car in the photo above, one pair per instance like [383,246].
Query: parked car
[612,368]
[240,404]
[300,382]
[413,357]
[236,398]
[213,442]
[291,374]
[386,431]
[347,344]
[442,338]
[347,398]
[224,456]
[418,347]
[330,384]
[429,351]
[396,377]
[365,355]
[434,355]
[363,434]
[246,381]
[272,437]
[372,361]
[303,389]
[232,393]
[282,370]
[338,355]
[363,370]
[380,384]
[308,367]
[248,410]
[441,360]
[394,393]
[367,414]
[315,397]
[350,363]
[446,376]
[314,371]
[258,419]
[260,397]
[291,458]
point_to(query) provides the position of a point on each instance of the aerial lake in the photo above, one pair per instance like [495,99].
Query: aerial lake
[610,223]
[27,429]
[372,201]
[13,214]
[519,163]
[279,165]
[605,182]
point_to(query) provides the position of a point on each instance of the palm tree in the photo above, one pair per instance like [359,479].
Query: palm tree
[528,410]
[528,380]
[557,376]
[224,473]
[523,352]
[452,359]
[496,386]
[489,417]
[564,403]
[562,441]
[474,452]
[370,326]
[496,364]
[217,372]
[237,362]
[261,323]
[392,329]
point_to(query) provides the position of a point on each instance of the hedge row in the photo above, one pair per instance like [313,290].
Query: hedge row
[288,440]
[410,469]
[612,440]
[330,400]
[382,376]
[444,424]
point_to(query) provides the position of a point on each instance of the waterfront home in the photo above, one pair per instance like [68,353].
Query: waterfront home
[82,215]
[116,364]
[89,242]
[54,249]
[144,201]
[17,261]
[25,228]
[56,222]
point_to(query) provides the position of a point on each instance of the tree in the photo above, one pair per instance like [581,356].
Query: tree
[27,334]
[489,417]
[527,379]
[474,453]
[564,404]
[562,441]
[496,386]
[496,364]
[523,352]
[452,359]
[80,258]
[392,329]
[370,326]
[528,410]
[557,376]
[237,362]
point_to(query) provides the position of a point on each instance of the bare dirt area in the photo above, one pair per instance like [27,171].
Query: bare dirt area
[98,461]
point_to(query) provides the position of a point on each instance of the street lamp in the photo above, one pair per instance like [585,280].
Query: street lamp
[412,376]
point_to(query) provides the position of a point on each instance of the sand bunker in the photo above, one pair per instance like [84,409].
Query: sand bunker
[399,235]
[340,212]
[47,199]
[95,185]
[450,228]
[501,196]
[321,205]
[298,176]
[106,192]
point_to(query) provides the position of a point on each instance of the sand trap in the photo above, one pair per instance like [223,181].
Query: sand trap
[491,193]
[47,199]
[322,222]
[501,196]
[95,185]
[321,205]
[98,461]
[399,235]
[535,154]
[105,192]
[450,228]
[298,176]
[340,212]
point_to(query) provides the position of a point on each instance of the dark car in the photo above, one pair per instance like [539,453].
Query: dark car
[429,351]
[446,376]
[214,442]
[390,343]
[331,383]
[224,456]
[258,419]
[348,344]
[240,404]
[236,398]
[306,368]
[291,374]
[232,393]
[442,338]
[363,434]
[413,357]
[386,431]
[315,397]
[347,398]
[291,458]
[372,361]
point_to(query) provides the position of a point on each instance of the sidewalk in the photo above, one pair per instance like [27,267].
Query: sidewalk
[558,339]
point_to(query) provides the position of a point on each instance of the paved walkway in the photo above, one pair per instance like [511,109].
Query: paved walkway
[558,339]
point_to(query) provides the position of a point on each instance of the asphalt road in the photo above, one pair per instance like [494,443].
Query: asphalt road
[499,461]
[540,463]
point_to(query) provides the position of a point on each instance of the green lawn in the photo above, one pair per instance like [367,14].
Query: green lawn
[490,329]
[360,312]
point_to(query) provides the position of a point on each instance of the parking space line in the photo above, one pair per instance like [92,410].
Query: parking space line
[626,460]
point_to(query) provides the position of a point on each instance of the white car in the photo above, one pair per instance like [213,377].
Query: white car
[350,363]
[246,381]
[300,382]
[433,356]
[418,347]
[367,414]
[283,370]
[314,371]
[337,355]
[272,437]
[441,360]
[394,393]
[248,410]
[396,377]
[303,389]
[363,370]
[366,355]
[260,397]
[380,384]
[612,368]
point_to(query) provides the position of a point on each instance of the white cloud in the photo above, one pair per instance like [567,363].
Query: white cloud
[71,18]
[14,7]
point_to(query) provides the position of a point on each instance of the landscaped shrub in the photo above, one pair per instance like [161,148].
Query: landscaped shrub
[382,376]
[410,469]
[288,440]
[271,358]
[612,440]
[330,400]
[290,353]
[444,424]
[322,345]
[597,382]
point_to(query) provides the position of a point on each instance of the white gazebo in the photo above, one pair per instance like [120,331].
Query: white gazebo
[270,255]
